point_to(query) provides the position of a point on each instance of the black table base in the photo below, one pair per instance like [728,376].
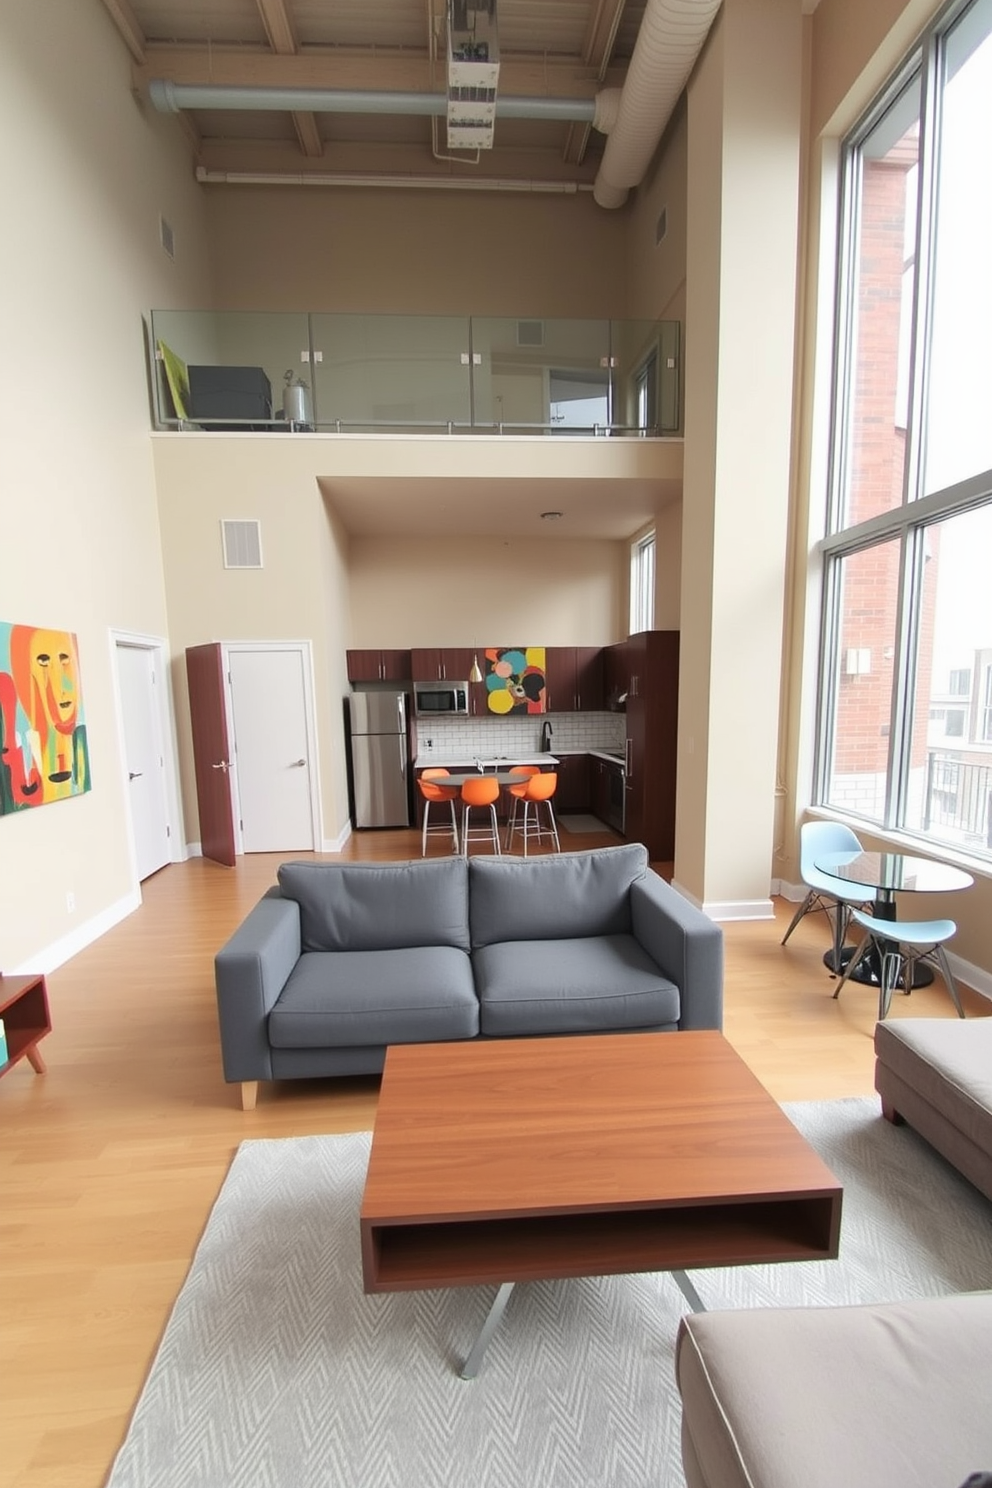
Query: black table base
[867,972]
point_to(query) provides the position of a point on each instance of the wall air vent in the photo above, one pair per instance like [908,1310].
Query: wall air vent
[242,544]
[530,332]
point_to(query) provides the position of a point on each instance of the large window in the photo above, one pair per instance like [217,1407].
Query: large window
[906,668]
[642,583]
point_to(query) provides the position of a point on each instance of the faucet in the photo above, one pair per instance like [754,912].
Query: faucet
[546,732]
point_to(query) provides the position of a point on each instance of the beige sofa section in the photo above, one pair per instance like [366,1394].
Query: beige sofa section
[891,1395]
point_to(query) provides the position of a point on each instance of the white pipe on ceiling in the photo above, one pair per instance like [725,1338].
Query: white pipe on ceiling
[425,183]
[172,98]
[669,41]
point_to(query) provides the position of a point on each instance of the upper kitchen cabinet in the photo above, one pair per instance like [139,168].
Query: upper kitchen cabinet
[441,664]
[379,666]
[575,679]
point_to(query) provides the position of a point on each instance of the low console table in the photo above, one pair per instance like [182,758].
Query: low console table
[26,1019]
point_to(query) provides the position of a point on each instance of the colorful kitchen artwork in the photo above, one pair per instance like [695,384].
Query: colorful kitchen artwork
[515,679]
[43,753]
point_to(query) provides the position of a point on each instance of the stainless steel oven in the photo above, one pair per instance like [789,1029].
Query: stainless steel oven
[616,797]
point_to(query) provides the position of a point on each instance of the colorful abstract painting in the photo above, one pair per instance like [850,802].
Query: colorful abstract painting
[515,679]
[43,754]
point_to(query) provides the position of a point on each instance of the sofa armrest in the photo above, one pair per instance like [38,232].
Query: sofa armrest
[250,971]
[685,943]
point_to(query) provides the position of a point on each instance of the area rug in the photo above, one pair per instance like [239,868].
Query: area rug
[581,824]
[276,1371]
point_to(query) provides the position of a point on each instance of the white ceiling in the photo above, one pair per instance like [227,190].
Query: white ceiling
[457,507]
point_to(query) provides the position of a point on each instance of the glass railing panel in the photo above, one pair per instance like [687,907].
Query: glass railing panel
[229,369]
[397,372]
[539,375]
[646,358]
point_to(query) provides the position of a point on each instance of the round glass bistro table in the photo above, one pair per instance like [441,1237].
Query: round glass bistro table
[888,874]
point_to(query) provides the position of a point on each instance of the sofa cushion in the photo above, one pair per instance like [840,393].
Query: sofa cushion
[531,987]
[873,1396]
[379,906]
[417,994]
[563,895]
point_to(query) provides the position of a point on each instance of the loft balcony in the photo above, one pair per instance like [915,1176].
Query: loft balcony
[415,374]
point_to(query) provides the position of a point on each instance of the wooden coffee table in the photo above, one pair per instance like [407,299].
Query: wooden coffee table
[522,1159]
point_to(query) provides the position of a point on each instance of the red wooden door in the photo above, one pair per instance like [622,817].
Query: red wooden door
[211,751]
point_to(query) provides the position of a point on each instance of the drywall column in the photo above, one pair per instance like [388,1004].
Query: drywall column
[742,231]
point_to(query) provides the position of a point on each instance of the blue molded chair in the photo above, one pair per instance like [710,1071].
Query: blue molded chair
[825,892]
[899,945]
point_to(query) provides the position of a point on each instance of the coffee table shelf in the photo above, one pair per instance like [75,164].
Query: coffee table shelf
[537,1248]
[26,1019]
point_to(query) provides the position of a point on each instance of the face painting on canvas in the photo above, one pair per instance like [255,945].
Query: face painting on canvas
[43,751]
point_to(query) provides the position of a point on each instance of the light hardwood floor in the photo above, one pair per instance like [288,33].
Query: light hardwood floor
[110,1162]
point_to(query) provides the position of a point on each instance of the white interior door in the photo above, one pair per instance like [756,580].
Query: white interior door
[145,757]
[273,769]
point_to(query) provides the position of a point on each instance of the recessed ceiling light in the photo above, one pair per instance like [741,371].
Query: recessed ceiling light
[550,516]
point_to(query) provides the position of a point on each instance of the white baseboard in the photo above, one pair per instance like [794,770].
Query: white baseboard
[740,909]
[61,951]
[336,844]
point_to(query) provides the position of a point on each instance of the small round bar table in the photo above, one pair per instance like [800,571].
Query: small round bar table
[889,874]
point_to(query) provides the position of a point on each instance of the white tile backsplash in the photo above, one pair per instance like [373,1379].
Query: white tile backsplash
[518,735]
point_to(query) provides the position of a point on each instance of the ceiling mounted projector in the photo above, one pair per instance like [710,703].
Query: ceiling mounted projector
[473,74]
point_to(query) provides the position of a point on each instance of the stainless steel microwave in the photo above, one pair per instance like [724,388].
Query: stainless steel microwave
[434,699]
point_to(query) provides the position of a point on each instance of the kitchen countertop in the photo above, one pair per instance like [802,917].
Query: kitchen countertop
[426,761]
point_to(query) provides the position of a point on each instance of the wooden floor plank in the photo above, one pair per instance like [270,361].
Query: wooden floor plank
[111,1160]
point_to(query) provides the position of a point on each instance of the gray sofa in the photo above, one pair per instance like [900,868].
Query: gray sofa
[343,959]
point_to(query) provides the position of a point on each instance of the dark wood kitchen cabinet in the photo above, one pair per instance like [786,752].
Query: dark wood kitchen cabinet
[441,663]
[574,679]
[652,736]
[572,792]
[379,666]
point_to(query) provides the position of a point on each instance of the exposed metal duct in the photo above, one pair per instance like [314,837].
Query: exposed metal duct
[172,98]
[669,41]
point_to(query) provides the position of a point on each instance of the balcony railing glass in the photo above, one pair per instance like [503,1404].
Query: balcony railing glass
[414,374]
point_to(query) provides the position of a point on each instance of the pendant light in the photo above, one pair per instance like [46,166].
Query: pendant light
[475,675]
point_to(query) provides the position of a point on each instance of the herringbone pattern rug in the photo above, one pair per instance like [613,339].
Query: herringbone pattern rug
[276,1371]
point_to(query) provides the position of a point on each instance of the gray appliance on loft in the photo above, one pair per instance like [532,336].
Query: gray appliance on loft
[379,759]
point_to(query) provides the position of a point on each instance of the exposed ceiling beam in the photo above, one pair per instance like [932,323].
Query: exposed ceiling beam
[126,22]
[597,50]
[279,28]
[372,71]
[278,25]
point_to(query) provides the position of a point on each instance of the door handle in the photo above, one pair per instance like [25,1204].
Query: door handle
[134,774]
[222,766]
[299,764]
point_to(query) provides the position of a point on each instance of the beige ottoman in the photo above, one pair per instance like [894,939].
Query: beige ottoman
[936,1074]
[894,1395]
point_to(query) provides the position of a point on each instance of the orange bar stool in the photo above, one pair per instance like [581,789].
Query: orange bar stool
[537,792]
[435,795]
[516,793]
[482,792]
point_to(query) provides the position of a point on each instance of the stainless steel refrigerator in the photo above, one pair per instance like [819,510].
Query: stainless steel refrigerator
[379,759]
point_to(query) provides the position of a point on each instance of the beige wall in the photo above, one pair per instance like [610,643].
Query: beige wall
[299,594]
[416,252]
[80,262]
[486,591]
[744,136]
